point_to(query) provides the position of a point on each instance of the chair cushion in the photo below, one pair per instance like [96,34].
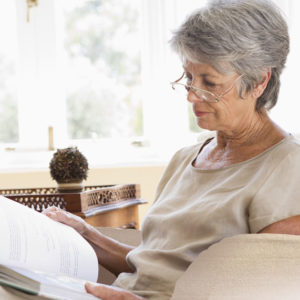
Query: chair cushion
[248,266]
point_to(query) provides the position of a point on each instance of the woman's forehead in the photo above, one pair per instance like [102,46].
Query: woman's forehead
[198,68]
[201,69]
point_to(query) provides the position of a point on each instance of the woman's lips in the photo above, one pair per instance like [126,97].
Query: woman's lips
[200,113]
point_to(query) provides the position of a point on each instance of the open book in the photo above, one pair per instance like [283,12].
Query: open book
[41,256]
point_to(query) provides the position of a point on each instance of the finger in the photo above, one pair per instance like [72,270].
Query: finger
[97,290]
[69,219]
[108,292]
[60,216]
[50,209]
[57,215]
[105,292]
[51,215]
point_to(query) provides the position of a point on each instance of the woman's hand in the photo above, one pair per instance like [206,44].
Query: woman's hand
[67,218]
[108,292]
[111,254]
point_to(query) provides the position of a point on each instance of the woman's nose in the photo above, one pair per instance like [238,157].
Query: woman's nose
[193,97]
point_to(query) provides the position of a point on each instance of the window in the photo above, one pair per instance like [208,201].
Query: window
[8,73]
[102,74]
[98,72]
[284,113]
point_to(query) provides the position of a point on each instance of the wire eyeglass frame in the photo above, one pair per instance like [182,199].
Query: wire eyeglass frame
[207,96]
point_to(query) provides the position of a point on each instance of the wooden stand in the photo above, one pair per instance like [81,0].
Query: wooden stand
[110,205]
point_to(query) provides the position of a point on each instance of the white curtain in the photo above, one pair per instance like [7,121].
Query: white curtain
[162,115]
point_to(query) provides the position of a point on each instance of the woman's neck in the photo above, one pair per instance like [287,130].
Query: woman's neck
[259,131]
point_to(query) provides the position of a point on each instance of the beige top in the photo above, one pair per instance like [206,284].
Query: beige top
[196,208]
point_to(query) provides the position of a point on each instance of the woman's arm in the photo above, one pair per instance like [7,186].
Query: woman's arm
[110,253]
[289,225]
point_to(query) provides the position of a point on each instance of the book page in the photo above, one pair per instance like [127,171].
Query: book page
[31,240]
[45,284]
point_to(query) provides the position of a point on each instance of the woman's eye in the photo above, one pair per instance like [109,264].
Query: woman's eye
[210,84]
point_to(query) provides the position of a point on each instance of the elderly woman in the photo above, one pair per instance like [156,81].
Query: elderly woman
[243,180]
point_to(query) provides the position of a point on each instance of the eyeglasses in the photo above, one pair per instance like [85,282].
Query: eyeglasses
[206,96]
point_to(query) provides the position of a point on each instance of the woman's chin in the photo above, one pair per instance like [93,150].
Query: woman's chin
[205,125]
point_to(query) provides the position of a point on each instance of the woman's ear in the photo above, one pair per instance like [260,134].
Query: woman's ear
[260,87]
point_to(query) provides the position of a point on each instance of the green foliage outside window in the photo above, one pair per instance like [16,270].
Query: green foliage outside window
[103,51]
[8,102]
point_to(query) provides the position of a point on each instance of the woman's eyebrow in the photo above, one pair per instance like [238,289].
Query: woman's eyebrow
[201,74]
[206,75]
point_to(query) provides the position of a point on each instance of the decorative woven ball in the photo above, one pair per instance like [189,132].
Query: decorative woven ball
[68,165]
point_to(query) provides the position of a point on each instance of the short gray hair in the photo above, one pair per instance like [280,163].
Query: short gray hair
[248,36]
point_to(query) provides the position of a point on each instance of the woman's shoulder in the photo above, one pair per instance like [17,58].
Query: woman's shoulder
[289,146]
[293,141]
[285,154]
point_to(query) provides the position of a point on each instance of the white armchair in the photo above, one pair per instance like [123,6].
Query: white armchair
[243,267]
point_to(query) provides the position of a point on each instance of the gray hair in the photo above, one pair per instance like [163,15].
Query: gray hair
[245,36]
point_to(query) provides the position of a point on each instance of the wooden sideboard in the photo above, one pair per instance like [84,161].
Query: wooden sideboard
[103,206]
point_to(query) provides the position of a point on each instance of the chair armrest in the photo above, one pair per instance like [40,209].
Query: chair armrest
[246,266]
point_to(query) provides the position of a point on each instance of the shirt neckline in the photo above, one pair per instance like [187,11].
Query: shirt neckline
[289,137]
